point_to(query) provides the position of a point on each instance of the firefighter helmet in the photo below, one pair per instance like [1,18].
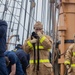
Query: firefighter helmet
[38,24]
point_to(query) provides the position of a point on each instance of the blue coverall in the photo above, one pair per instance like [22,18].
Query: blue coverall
[3,31]
[24,58]
[14,60]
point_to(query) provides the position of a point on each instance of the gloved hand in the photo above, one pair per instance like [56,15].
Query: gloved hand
[39,34]
[34,35]
[28,66]
[69,68]
[33,40]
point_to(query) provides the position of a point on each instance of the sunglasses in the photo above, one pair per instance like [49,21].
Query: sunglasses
[38,29]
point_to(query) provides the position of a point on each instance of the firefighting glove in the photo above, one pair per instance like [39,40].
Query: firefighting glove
[33,40]
[28,66]
[69,68]
[34,35]
[39,34]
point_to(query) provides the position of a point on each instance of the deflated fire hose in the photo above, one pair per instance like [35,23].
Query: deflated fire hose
[34,50]
[36,61]
[38,54]
[34,55]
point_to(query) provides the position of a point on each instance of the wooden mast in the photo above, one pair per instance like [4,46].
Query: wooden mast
[66,28]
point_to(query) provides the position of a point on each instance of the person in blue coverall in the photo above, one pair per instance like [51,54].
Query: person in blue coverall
[24,57]
[14,66]
[3,31]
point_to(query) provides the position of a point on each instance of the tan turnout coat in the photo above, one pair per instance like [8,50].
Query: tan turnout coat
[45,67]
[70,59]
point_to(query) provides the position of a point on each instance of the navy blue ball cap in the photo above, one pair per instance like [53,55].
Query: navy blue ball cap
[18,46]
[3,22]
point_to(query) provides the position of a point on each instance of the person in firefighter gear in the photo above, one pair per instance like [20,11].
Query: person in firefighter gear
[70,59]
[44,67]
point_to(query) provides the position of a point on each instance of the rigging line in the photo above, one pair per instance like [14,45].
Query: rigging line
[54,39]
[42,12]
[50,19]
[44,15]
[16,19]
[13,25]
[1,1]
[30,24]
[36,9]
[32,20]
[11,43]
[10,14]
[11,18]
[31,9]
[56,30]
[53,19]
[55,49]
[7,8]
[22,2]
[20,16]
[57,21]
[32,15]
[48,10]
[27,12]
[24,19]
[29,19]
